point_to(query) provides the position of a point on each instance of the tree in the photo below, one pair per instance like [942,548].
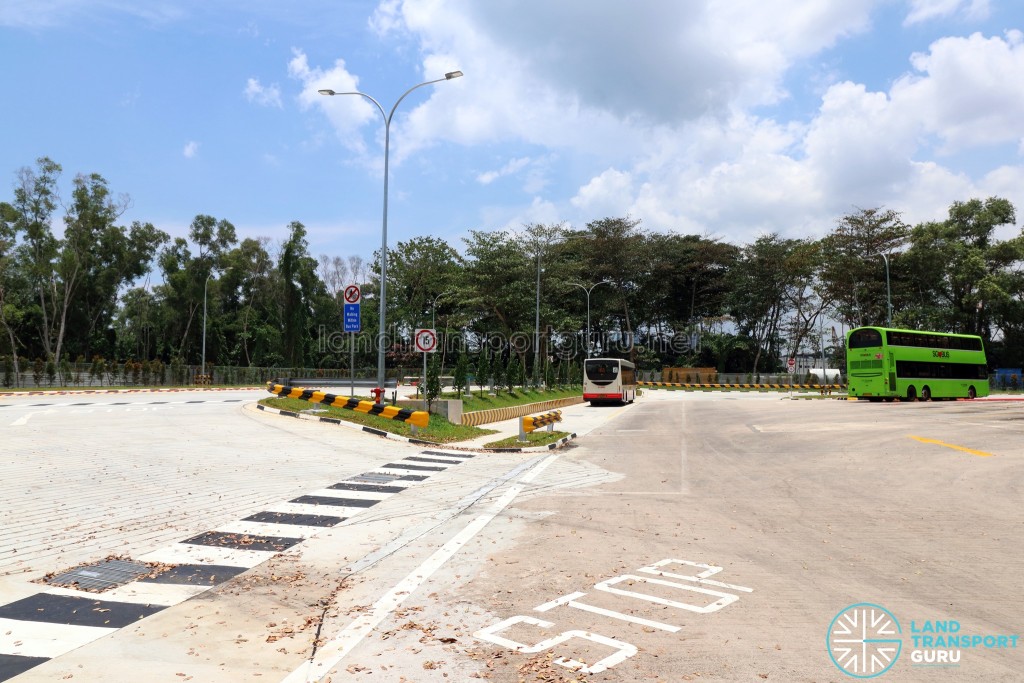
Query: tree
[512,372]
[499,281]
[853,278]
[301,290]
[249,290]
[963,276]
[762,284]
[460,374]
[188,280]
[35,200]
[483,369]
[419,270]
[433,384]
[11,308]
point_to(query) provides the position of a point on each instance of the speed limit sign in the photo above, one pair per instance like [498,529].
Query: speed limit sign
[791,363]
[426,340]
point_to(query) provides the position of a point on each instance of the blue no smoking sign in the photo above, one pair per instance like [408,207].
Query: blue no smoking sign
[350,314]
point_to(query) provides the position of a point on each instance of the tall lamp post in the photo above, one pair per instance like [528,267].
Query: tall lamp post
[536,331]
[888,293]
[384,228]
[588,290]
[202,368]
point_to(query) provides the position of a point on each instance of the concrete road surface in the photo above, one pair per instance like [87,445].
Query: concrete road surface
[715,537]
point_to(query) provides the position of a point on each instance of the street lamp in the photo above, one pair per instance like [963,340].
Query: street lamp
[384,229]
[433,307]
[202,368]
[588,291]
[888,293]
[536,330]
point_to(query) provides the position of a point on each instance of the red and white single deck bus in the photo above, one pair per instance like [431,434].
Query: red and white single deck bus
[608,380]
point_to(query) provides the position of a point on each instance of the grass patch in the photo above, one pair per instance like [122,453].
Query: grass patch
[439,430]
[506,399]
[537,438]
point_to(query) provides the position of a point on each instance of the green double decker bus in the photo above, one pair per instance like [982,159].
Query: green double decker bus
[886,364]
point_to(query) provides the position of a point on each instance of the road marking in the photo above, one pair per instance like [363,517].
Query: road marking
[328,656]
[949,445]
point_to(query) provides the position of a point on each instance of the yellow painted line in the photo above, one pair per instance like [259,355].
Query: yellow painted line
[949,445]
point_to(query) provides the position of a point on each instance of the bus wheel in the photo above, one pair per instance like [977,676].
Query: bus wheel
[911,394]
[926,394]
[971,393]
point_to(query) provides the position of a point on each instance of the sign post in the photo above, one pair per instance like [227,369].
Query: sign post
[791,366]
[426,341]
[351,320]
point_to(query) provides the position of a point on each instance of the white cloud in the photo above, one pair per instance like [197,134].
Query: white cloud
[926,10]
[609,194]
[38,14]
[512,167]
[346,113]
[269,96]
[968,91]
[386,18]
[673,103]
[191,149]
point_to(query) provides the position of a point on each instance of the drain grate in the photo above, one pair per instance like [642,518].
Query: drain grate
[100,576]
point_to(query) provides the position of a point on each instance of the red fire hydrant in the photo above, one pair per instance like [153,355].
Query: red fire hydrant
[377,394]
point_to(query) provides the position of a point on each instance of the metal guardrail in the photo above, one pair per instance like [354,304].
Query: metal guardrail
[530,423]
[687,385]
[417,418]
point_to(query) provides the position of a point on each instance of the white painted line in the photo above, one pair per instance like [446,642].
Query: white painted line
[353,495]
[619,615]
[311,509]
[40,639]
[146,593]
[564,600]
[723,598]
[270,529]
[186,553]
[331,653]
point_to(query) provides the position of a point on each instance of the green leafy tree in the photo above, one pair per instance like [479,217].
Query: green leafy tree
[763,280]
[460,374]
[302,290]
[852,278]
[483,368]
[433,385]
[513,372]
[965,279]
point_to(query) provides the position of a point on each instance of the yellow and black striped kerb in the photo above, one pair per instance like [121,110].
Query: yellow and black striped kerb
[531,423]
[420,418]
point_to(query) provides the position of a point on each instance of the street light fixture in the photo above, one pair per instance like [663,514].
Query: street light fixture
[384,227]
[888,293]
[588,291]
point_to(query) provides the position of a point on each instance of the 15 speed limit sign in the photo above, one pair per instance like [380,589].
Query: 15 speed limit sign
[426,340]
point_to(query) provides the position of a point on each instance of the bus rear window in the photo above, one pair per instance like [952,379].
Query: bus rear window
[866,338]
[598,370]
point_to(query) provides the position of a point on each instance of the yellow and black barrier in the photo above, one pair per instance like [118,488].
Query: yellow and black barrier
[418,418]
[530,423]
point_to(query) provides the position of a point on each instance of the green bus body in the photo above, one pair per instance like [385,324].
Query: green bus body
[885,364]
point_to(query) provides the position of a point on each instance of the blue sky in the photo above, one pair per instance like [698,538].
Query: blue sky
[723,118]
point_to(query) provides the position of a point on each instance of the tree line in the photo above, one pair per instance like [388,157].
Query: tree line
[77,285]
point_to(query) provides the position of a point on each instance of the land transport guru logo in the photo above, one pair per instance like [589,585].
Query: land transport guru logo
[865,640]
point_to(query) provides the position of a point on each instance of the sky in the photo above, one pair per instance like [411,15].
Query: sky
[729,119]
